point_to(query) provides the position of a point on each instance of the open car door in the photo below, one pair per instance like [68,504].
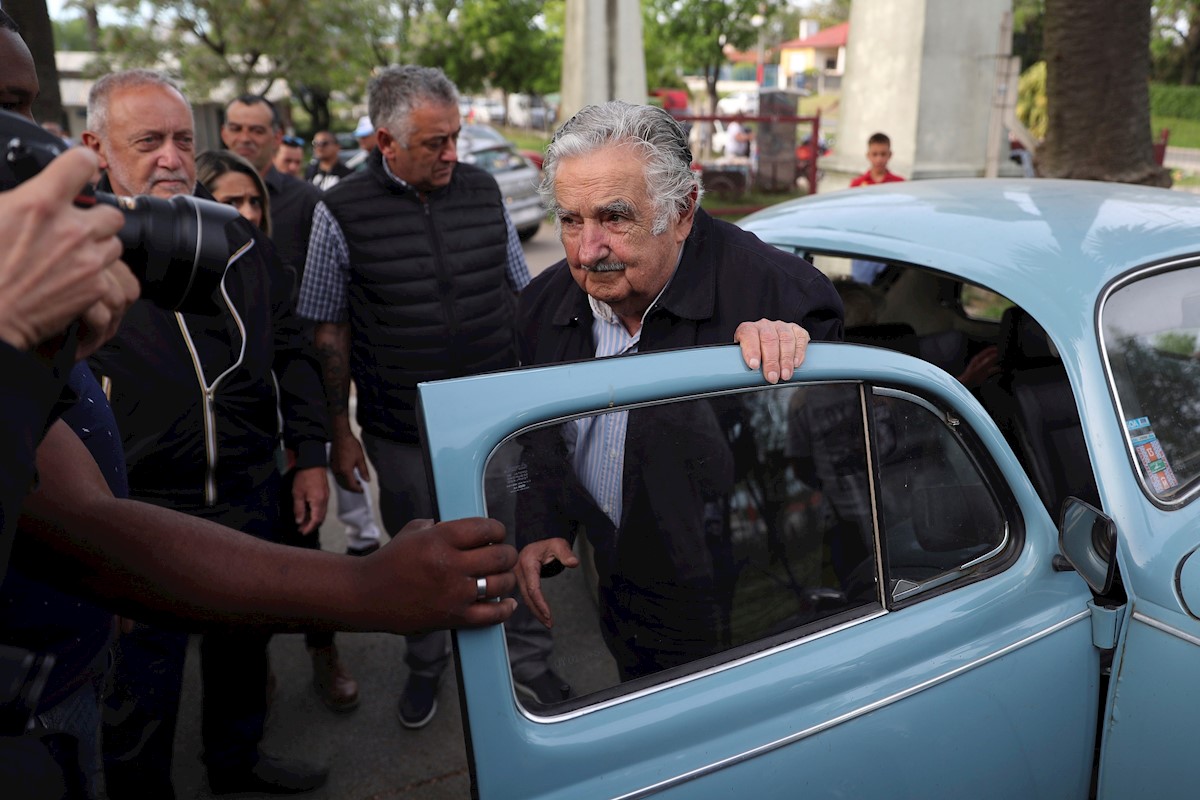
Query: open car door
[841,586]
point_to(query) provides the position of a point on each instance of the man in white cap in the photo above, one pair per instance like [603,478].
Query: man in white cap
[365,133]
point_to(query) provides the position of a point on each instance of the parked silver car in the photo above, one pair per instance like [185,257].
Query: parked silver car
[485,147]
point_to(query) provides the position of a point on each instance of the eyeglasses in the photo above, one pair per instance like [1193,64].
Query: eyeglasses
[293,141]
[323,142]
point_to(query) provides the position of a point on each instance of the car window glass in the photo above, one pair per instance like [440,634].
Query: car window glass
[938,515]
[1150,329]
[746,520]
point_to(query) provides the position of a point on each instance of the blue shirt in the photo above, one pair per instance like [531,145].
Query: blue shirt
[597,443]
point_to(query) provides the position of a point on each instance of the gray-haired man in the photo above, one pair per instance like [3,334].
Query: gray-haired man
[412,274]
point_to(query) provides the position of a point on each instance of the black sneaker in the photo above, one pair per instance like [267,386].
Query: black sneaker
[269,775]
[362,551]
[418,702]
[546,689]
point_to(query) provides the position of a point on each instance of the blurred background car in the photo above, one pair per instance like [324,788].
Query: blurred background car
[486,147]
[488,110]
[745,102]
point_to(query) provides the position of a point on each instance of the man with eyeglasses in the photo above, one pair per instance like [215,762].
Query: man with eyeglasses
[289,158]
[326,168]
[412,276]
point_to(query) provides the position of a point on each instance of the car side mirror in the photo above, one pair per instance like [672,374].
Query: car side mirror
[1088,539]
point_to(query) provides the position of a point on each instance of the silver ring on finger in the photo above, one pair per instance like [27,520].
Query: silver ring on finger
[480,589]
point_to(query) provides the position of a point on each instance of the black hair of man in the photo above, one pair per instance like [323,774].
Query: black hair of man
[879,138]
[8,23]
[256,99]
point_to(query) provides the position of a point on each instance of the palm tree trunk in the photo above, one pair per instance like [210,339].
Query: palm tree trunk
[1097,95]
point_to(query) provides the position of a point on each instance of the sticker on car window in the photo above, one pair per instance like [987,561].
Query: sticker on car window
[516,478]
[1150,453]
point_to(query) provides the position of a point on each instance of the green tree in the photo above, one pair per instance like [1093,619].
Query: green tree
[699,30]
[1031,99]
[825,12]
[1028,31]
[511,45]
[1175,43]
[74,34]
[252,44]
[1097,92]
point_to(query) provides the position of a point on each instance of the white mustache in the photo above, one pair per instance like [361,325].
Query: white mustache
[605,266]
[162,177]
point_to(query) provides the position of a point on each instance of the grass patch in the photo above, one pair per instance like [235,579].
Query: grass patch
[732,208]
[827,104]
[1184,132]
[526,139]
[1181,178]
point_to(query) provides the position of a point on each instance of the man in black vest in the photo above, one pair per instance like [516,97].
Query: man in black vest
[412,276]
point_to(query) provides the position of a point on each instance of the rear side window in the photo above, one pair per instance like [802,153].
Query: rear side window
[1150,329]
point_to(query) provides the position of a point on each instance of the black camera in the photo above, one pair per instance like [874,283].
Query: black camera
[178,248]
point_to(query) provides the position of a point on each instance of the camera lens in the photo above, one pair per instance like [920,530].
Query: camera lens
[178,247]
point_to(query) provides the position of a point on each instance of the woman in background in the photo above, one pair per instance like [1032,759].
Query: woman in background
[232,181]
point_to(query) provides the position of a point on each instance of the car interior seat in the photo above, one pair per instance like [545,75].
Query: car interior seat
[1032,403]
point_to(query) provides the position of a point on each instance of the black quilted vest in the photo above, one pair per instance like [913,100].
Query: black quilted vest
[428,292]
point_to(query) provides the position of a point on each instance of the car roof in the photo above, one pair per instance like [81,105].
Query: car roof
[1020,238]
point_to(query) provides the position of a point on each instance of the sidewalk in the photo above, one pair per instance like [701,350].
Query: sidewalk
[1184,158]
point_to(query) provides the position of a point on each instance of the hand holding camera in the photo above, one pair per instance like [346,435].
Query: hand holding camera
[61,263]
[178,249]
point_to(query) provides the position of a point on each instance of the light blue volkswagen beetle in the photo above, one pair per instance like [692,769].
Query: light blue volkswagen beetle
[924,589]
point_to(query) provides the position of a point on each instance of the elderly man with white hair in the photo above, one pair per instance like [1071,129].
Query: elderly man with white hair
[647,269]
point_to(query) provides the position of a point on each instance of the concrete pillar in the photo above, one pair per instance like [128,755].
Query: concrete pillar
[603,55]
[923,72]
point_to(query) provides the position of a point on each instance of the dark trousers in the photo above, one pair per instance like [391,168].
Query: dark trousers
[142,707]
[287,532]
[142,704]
[648,631]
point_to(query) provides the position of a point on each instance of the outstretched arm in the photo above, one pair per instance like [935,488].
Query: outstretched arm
[152,563]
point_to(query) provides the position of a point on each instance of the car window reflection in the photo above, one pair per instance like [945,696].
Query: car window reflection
[741,521]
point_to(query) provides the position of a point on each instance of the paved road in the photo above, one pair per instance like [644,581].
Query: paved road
[371,755]
[1186,159]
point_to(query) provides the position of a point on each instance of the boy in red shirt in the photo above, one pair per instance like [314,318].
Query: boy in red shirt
[879,152]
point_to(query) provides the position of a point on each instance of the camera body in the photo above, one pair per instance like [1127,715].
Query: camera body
[178,247]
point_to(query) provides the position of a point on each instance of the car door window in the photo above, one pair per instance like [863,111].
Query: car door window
[719,527]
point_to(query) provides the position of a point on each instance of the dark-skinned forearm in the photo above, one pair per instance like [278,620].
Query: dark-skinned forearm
[154,564]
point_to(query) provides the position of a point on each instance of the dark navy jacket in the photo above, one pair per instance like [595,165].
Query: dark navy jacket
[203,401]
[39,617]
[658,562]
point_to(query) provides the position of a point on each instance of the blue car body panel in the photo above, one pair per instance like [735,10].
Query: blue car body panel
[882,688]
[989,690]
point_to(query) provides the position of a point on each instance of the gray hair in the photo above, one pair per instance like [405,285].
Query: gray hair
[101,93]
[651,133]
[396,91]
